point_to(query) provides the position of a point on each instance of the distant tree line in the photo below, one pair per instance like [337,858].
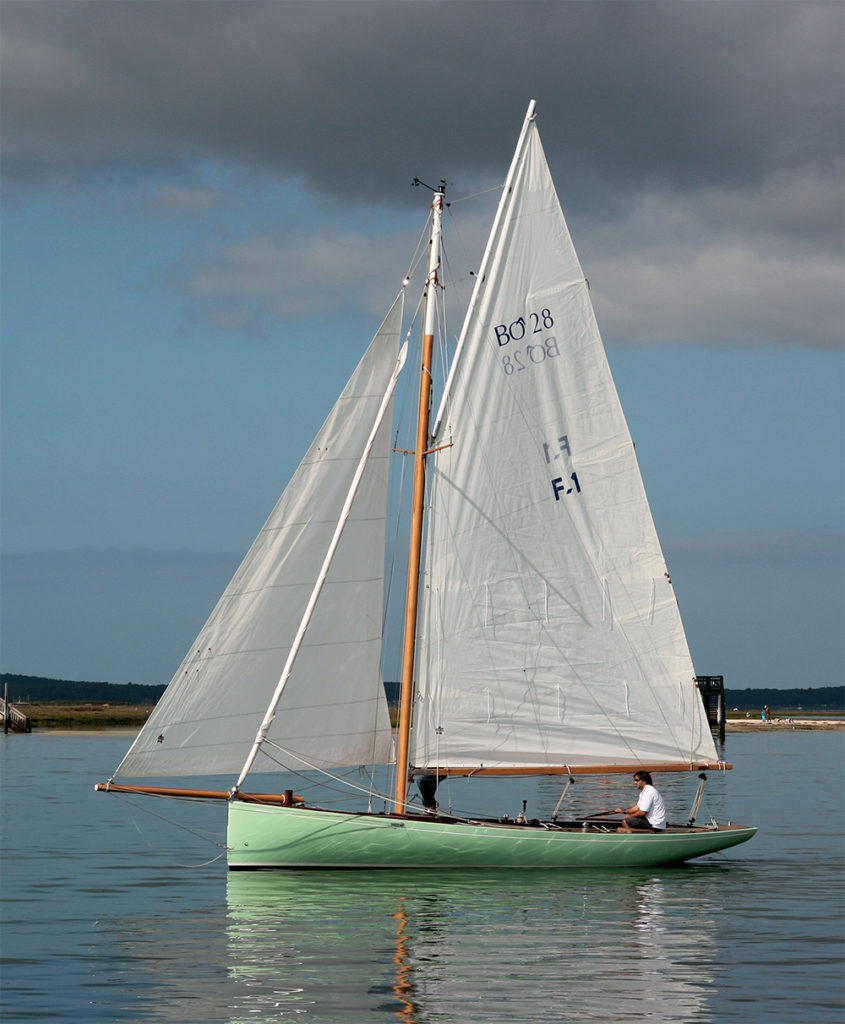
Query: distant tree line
[817,698]
[38,688]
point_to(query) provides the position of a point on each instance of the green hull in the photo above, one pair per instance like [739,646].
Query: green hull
[296,837]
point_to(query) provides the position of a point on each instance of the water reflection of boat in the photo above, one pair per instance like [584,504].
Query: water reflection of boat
[516,946]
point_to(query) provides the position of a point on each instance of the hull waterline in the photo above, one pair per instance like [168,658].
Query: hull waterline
[289,837]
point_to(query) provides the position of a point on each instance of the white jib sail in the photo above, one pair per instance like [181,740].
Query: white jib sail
[333,710]
[550,631]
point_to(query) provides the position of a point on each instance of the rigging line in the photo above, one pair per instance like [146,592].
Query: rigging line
[310,784]
[460,296]
[417,311]
[401,416]
[406,392]
[297,773]
[468,276]
[465,254]
[440,358]
[475,195]
[391,575]
[204,864]
[412,269]
[441,313]
[314,768]
[421,248]
[170,821]
[370,775]
[401,406]
[692,723]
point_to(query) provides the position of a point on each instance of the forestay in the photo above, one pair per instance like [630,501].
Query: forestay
[550,631]
[332,710]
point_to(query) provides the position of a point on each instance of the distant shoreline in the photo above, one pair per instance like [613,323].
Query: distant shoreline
[60,715]
[788,722]
[72,715]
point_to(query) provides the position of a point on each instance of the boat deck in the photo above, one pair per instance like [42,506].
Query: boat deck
[569,825]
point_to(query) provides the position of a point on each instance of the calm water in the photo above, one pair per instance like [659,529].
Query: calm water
[110,913]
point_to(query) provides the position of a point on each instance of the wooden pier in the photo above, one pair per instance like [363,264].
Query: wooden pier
[11,717]
[712,690]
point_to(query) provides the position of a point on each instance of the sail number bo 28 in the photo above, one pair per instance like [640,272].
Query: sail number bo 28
[536,351]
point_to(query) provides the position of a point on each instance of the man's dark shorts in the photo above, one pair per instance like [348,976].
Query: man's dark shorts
[640,824]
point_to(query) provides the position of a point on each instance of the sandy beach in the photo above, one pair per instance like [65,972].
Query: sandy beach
[755,724]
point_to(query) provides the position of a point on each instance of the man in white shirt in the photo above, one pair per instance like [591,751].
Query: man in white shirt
[649,812]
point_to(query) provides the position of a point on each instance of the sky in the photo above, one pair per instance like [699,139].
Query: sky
[206,212]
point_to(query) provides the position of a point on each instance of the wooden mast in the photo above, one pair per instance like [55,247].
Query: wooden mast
[409,649]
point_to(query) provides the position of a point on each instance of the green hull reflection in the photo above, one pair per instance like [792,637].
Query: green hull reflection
[296,837]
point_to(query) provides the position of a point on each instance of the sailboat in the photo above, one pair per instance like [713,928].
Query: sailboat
[541,634]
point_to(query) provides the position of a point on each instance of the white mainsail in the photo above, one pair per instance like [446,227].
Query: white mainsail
[333,710]
[550,632]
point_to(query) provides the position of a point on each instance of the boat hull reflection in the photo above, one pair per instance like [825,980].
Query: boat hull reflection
[415,947]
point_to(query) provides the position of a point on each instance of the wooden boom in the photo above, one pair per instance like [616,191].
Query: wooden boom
[591,769]
[286,799]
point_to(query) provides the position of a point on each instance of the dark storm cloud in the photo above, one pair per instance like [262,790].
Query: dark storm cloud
[355,97]
[698,146]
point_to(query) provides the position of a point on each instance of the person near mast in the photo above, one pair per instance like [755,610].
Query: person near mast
[649,812]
